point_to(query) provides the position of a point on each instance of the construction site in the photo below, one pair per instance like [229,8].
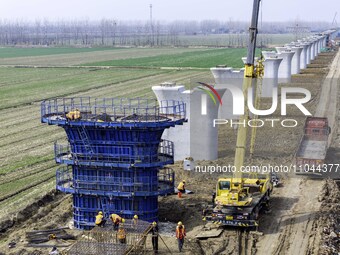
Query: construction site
[239,161]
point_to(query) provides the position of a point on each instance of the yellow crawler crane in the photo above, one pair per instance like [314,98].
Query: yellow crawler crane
[239,200]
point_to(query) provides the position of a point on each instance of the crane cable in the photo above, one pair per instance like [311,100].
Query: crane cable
[258,90]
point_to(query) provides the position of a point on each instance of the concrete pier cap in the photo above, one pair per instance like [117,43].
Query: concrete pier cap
[244,59]
[197,138]
[285,68]
[269,54]
[224,78]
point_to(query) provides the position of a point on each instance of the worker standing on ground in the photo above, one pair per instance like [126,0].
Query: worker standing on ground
[121,234]
[181,188]
[116,219]
[100,221]
[180,234]
[135,220]
[154,232]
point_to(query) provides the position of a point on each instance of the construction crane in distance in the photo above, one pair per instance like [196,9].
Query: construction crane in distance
[334,22]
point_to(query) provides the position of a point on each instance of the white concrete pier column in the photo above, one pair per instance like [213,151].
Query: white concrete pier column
[285,69]
[303,58]
[320,45]
[224,78]
[196,138]
[316,47]
[312,51]
[324,42]
[296,58]
[309,52]
[271,75]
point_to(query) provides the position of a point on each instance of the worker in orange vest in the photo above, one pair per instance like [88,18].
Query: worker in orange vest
[116,219]
[180,234]
[181,188]
[121,234]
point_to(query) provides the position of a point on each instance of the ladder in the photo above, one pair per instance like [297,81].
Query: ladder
[85,139]
[105,206]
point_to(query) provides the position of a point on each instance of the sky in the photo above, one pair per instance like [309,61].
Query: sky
[169,10]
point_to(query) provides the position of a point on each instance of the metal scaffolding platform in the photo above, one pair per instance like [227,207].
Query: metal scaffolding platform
[114,159]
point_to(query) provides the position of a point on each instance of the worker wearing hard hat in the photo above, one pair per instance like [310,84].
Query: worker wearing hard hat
[116,219]
[181,188]
[73,115]
[135,220]
[180,234]
[154,232]
[121,234]
[100,221]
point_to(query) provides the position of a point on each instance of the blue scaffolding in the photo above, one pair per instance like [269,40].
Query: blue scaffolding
[114,159]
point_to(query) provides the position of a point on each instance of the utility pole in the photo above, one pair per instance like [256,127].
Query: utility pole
[151,27]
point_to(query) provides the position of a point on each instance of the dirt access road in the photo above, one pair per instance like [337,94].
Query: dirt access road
[293,226]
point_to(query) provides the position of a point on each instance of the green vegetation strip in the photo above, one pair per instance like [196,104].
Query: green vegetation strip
[203,59]
[27,171]
[25,163]
[13,52]
[24,184]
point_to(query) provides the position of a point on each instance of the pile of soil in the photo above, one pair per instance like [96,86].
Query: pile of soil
[330,218]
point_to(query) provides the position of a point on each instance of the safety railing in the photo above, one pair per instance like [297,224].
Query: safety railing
[108,184]
[114,153]
[113,109]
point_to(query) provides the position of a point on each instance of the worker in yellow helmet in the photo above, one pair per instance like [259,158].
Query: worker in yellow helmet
[135,220]
[154,232]
[181,188]
[74,115]
[121,234]
[100,221]
[180,234]
[116,219]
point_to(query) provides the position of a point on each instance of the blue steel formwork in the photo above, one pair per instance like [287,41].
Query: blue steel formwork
[114,159]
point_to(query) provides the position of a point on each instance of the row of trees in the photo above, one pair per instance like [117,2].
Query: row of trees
[110,32]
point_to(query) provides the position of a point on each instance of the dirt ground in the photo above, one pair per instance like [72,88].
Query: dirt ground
[304,216]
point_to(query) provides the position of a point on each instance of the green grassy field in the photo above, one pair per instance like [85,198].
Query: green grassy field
[202,59]
[22,85]
[12,52]
[205,59]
